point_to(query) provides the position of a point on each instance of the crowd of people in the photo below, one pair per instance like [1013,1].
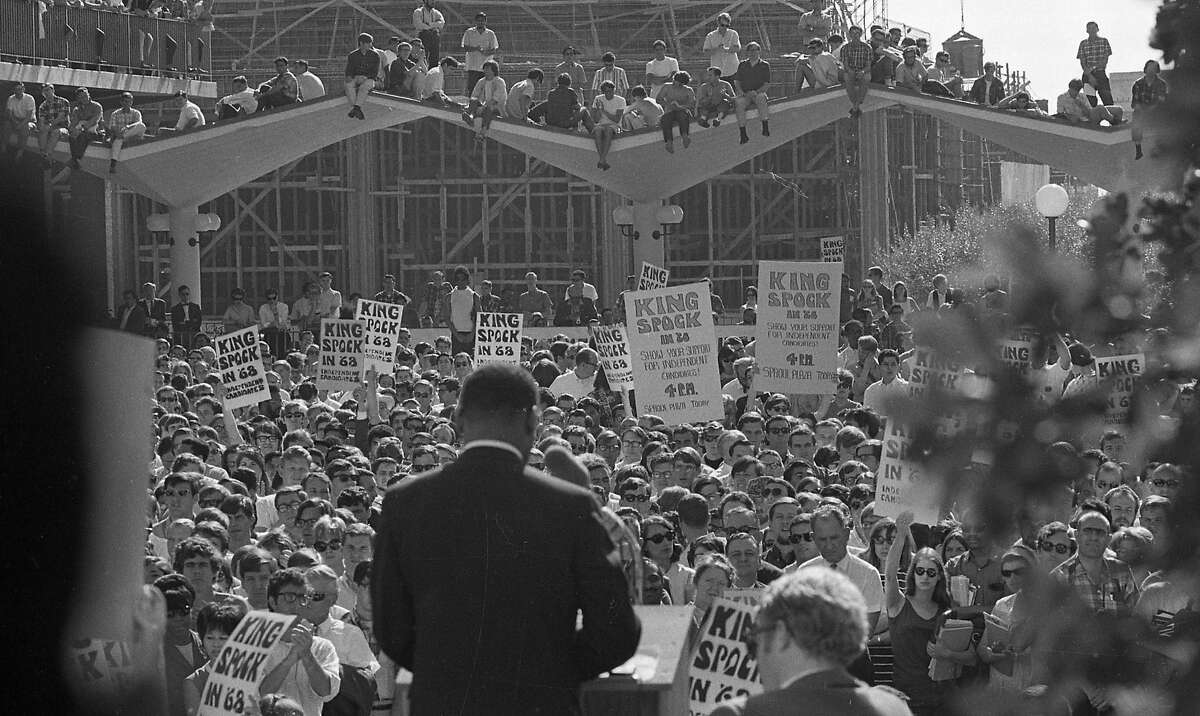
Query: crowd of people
[277,506]
[667,99]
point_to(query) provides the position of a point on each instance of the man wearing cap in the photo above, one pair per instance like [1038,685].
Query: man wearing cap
[750,86]
[311,86]
[362,67]
[480,44]
[723,45]
[660,70]
[571,66]
[428,21]
[910,74]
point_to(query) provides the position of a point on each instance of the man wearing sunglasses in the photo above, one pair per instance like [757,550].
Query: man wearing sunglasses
[809,628]
[308,671]
[357,664]
[517,607]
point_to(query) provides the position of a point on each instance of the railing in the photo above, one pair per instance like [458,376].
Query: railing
[37,32]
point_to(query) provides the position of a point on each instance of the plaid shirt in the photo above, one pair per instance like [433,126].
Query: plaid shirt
[1148,94]
[54,111]
[857,56]
[1094,53]
[1114,592]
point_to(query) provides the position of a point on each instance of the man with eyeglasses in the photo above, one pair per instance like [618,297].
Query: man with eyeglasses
[1164,480]
[799,537]
[685,467]
[778,430]
[358,664]
[183,652]
[185,318]
[809,629]
[1105,584]
[309,670]
[822,69]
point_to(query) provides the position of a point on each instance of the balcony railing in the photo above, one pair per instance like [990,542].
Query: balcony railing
[97,38]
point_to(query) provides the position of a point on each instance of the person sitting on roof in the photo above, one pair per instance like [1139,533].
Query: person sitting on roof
[487,100]
[608,107]
[714,99]
[561,108]
[1021,103]
[241,103]
[643,112]
[1074,107]
[279,91]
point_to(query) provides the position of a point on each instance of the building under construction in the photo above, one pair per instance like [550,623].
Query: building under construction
[421,196]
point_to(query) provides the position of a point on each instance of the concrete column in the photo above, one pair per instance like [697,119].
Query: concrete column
[645,246]
[362,230]
[185,252]
[873,191]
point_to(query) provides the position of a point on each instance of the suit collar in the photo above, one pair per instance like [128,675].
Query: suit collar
[495,445]
[821,678]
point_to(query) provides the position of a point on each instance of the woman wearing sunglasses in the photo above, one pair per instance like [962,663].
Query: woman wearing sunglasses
[914,614]
[881,539]
[1010,655]
[659,546]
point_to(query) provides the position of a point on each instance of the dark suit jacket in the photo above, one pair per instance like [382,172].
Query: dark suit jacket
[480,568]
[137,318]
[825,692]
[188,327]
[993,97]
[156,311]
[177,669]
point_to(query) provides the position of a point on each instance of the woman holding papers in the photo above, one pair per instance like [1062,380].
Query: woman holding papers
[1006,640]
[915,614]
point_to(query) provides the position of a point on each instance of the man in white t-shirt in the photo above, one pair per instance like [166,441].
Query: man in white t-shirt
[580,287]
[660,70]
[461,307]
[480,43]
[580,381]
[190,116]
[890,387]
[311,86]
[520,95]
[608,108]
[241,103]
[20,116]
[722,46]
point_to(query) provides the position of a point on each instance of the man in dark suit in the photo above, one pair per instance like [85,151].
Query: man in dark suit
[131,316]
[185,318]
[156,312]
[482,566]
[810,626]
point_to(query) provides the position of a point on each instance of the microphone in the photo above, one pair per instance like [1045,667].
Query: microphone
[562,464]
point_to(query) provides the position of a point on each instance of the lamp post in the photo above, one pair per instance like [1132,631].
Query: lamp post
[1051,201]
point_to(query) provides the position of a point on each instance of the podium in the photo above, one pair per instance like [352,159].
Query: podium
[654,682]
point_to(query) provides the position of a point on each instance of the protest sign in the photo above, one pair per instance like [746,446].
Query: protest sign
[931,372]
[797,326]
[901,483]
[498,337]
[1121,374]
[833,249]
[240,667]
[240,365]
[722,667]
[652,277]
[341,354]
[1016,356]
[613,349]
[381,333]
[673,345]
[751,596]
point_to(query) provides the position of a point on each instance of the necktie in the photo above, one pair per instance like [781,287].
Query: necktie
[833,565]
